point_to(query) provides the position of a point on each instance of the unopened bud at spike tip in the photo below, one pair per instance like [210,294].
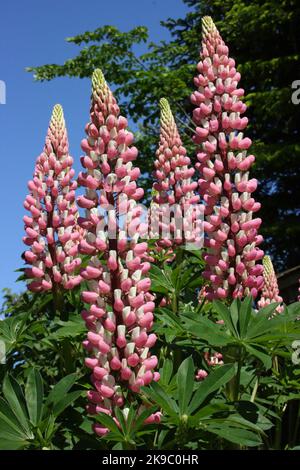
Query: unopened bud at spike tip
[270,290]
[98,80]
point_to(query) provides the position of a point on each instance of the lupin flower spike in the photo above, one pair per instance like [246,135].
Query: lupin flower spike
[175,214]
[52,234]
[119,313]
[270,290]
[231,230]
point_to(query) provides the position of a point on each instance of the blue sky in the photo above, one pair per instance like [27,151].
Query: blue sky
[33,33]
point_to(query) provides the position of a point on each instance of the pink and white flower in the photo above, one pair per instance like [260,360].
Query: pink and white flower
[52,234]
[230,225]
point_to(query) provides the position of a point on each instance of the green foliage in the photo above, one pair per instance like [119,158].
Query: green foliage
[250,399]
[28,420]
[195,411]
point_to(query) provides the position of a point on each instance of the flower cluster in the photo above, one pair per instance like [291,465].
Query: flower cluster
[215,359]
[175,214]
[270,291]
[119,311]
[231,230]
[201,374]
[52,234]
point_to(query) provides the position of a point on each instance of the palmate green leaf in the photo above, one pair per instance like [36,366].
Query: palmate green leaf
[60,389]
[156,393]
[139,423]
[12,444]
[263,357]
[247,410]
[294,309]
[245,315]
[14,396]
[215,380]
[9,423]
[206,330]
[71,329]
[261,320]
[168,317]
[225,315]
[159,281]
[245,423]
[34,394]
[12,434]
[184,278]
[131,417]
[61,405]
[185,384]
[120,417]
[233,433]
[235,313]
[50,426]
[109,423]
[9,433]
[12,329]
[166,372]
[208,411]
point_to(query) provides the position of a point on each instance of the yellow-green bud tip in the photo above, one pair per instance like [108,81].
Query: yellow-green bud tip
[58,115]
[166,113]
[208,25]
[268,265]
[98,80]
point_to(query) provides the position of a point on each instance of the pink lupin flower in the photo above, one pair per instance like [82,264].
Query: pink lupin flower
[175,214]
[52,235]
[270,290]
[230,226]
[201,374]
[215,359]
[119,312]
